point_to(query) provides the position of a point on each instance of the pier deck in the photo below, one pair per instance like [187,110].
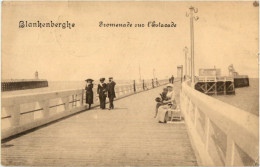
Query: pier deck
[127,135]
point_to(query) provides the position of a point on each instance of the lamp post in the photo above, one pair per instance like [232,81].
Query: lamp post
[189,71]
[185,51]
[192,17]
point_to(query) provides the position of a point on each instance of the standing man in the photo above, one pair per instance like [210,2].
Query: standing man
[172,79]
[101,91]
[111,92]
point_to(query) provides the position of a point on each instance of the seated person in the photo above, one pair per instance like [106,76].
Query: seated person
[164,93]
[170,103]
[160,100]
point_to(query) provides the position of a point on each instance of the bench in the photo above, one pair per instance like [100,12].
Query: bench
[175,114]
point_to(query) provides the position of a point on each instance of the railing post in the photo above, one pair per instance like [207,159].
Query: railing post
[121,91]
[14,111]
[75,100]
[189,108]
[134,87]
[82,97]
[152,83]
[125,90]
[195,115]
[117,92]
[65,100]
[143,84]
[230,152]
[207,132]
[45,106]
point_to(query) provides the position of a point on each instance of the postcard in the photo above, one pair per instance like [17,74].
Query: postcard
[130,83]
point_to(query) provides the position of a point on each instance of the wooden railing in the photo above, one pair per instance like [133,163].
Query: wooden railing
[24,112]
[222,135]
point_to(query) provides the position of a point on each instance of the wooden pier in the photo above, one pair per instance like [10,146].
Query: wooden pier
[211,82]
[213,85]
[56,129]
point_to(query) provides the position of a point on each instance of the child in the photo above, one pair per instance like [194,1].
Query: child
[164,93]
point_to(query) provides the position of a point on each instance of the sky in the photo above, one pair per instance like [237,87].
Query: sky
[226,33]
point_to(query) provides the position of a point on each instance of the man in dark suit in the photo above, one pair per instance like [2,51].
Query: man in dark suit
[111,92]
[101,91]
[172,79]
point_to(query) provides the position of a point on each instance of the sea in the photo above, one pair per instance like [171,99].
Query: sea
[245,98]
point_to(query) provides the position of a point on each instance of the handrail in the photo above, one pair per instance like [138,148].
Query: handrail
[30,97]
[209,119]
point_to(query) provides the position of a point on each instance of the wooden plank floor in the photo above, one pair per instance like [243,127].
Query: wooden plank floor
[128,135]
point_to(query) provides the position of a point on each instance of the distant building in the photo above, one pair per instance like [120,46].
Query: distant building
[232,71]
[210,72]
[36,75]
[179,71]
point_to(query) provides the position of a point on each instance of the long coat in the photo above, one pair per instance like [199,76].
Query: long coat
[101,90]
[89,93]
[111,89]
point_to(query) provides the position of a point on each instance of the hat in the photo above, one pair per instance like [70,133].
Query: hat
[169,85]
[110,78]
[158,99]
[89,80]
[102,79]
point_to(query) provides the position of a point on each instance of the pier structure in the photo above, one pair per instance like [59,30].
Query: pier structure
[180,72]
[211,82]
[21,84]
[239,80]
[56,128]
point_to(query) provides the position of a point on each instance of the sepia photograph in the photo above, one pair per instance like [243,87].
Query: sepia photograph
[130,83]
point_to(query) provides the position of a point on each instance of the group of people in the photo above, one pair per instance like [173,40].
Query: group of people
[104,90]
[165,103]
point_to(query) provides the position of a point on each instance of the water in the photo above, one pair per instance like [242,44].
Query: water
[246,98]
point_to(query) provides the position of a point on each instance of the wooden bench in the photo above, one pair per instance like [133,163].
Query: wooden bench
[175,114]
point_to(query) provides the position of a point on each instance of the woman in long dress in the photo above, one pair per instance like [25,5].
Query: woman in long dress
[163,115]
[89,92]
